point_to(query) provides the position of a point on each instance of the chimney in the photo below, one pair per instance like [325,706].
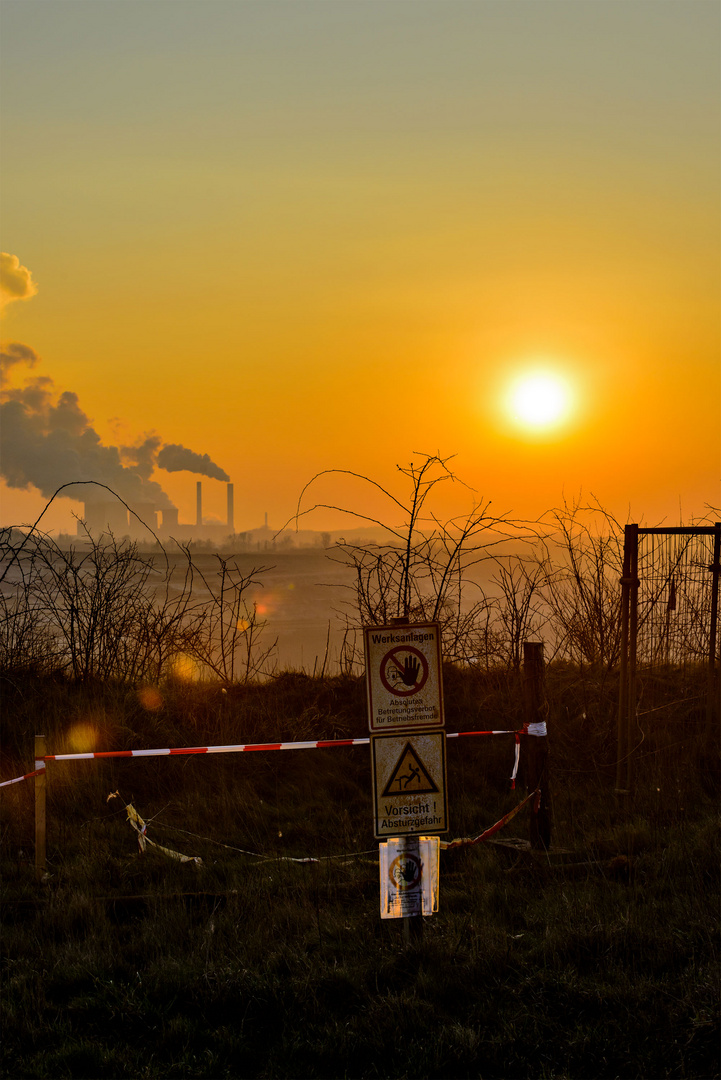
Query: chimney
[231,511]
[199,503]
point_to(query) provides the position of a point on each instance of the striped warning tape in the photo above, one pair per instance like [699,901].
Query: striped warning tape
[19,779]
[240,748]
[446,845]
[236,748]
[141,828]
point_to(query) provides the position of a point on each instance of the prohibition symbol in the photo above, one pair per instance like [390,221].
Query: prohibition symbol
[404,671]
[405,871]
[410,776]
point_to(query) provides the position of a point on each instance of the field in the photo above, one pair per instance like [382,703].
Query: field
[598,960]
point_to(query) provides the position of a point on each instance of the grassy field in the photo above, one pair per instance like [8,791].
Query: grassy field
[601,962]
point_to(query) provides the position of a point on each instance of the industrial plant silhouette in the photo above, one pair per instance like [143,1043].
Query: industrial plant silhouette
[140,520]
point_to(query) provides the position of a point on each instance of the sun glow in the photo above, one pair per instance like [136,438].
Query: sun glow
[539,401]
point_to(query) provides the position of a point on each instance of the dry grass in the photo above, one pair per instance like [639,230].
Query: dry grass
[134,966]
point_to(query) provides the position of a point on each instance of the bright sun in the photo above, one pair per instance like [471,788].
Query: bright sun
[539,400]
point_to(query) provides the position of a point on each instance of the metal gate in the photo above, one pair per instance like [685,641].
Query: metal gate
[669,618]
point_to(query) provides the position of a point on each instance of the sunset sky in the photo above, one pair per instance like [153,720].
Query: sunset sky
[295,236]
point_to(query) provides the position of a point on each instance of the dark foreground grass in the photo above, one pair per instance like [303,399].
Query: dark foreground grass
[604,965]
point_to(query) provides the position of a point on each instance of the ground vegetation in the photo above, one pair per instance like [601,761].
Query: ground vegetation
[599,963]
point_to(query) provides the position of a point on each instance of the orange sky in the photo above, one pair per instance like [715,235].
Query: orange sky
[298,236]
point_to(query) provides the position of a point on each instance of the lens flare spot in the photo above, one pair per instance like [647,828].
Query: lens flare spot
[82,738]
[243,625]
[184,668]
[150,698]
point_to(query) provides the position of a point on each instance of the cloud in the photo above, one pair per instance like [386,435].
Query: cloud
[174,458]
[16,281]
[12,353]
[46,439]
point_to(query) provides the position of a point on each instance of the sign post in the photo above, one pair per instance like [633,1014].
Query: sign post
[408,761]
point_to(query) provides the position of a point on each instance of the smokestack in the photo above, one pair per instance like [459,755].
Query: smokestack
[231,510]
[199,503]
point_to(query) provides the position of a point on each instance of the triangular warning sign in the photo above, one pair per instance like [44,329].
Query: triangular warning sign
[410,776]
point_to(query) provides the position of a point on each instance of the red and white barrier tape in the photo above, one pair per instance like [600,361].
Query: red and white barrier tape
[462,734]
[446,845]
[239,748]
[19,779]
[141,828]
[516,759]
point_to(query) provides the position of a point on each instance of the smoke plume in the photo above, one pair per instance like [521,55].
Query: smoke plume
[142,458]
[174,458]
[46,440]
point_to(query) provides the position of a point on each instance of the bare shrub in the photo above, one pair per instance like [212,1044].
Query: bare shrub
[102,610]
[421,573]
[580,565]
[226,630]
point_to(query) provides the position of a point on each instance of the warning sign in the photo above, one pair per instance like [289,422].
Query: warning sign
[410,775]
[409,876]
[403,676]
[409,783]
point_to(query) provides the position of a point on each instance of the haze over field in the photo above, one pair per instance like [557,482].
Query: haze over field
[254,241]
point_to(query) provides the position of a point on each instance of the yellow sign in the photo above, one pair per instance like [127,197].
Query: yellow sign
[409,783]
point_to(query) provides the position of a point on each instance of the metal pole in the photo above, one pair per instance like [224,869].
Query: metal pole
[623,670]
[715,568]
[412,924]
[622,726]
[40,799]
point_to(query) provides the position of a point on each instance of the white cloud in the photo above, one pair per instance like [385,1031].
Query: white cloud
[16,281]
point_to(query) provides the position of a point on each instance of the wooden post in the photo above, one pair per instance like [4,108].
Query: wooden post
[534,697]
[40,798]
[535,745]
